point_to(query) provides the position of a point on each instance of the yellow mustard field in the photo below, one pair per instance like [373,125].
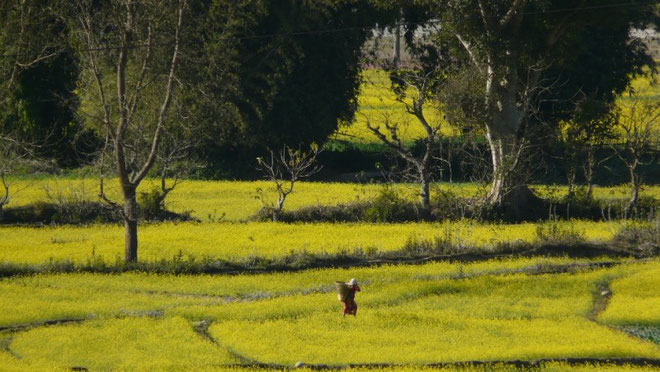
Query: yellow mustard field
[214,200]
[409,315]
[82,296]
[235,241]
[377,103]
[237,200]
[636,298]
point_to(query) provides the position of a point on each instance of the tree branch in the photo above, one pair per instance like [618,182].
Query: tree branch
[468,47]
[166,102]
[5,199]
[513,10]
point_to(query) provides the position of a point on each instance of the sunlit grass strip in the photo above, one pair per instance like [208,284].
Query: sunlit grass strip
[333,340]
[635,298]
[234,241]
[408,314]
[485,318]
[216,200]
[427,298]
[236,200]
[10,363]
[121,344]
[41,298]
[376,103]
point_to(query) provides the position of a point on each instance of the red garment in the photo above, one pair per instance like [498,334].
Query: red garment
[350,306]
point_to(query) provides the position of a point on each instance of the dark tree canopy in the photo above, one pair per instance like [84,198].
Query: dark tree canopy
[263,73]
[38,75]
[528,60]
[41,110]
[318,71]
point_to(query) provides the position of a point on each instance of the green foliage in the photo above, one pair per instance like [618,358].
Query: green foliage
[38,74]
[151,203]
[387,206]
[559,234]
[288,71]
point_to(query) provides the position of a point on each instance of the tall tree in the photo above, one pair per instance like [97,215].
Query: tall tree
[26,39]
[512,45]
[133,46]
[298,74]
[639,127]
[29,38]
[41,106]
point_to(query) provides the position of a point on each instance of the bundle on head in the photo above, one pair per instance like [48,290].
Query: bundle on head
[342,290]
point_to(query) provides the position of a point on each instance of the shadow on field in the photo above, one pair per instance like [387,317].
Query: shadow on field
[412,253]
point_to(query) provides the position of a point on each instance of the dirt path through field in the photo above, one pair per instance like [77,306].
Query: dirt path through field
[602,298]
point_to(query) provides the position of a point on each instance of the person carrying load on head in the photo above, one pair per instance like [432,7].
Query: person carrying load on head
[347,296]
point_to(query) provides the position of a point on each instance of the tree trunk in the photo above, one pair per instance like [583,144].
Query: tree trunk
[424,195]
[570,177]
[280,205]
[503,127]
[131,241]
[496,191]
[396,55]
[634,191]
[504,157]
[130,225]
[589,171]
[5,199]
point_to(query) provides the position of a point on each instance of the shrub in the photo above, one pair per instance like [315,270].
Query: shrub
[558,234]
[151,203]
[389,206]
[642,238]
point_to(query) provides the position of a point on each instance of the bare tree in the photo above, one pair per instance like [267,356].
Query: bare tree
[413,89]
[639,122]
[284,169]
[11,152]
[135,46]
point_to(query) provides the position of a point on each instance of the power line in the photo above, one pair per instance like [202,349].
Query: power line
[357,28]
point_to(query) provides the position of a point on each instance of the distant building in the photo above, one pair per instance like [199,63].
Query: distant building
[384,43]
[390,44]
[652,39]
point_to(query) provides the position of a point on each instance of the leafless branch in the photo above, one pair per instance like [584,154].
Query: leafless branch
[166,102]
[285,168]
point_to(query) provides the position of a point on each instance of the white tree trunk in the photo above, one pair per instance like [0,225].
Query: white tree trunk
[501,133]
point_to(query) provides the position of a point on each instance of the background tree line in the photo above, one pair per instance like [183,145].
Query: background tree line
[141,87]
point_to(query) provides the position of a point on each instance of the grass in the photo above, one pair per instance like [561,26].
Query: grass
[82,296]
[413,315]
[239,241]
[635,299]
[120,344]
[376,103]
[236,200]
